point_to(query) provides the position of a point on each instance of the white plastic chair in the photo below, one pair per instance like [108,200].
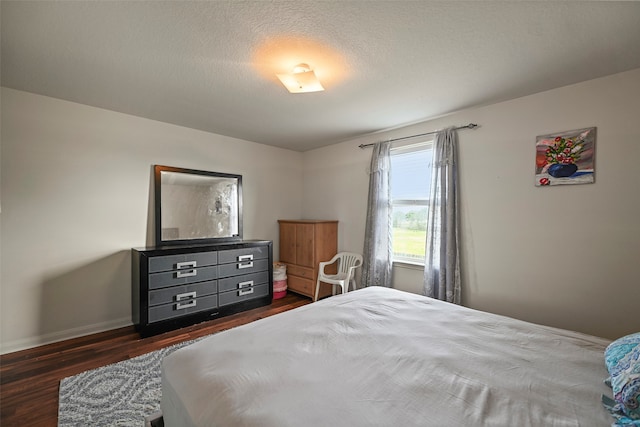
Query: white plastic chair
[348,262]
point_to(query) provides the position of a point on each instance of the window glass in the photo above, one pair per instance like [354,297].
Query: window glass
[410,180]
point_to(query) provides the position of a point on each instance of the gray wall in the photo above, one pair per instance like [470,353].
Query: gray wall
[565,256]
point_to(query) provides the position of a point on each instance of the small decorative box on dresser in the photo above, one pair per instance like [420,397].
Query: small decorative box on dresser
[182,285]
[303,245]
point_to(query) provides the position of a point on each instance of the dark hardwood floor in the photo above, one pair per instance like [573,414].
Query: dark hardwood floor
[29,379]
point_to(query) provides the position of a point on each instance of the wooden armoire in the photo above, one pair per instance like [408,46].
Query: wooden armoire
[303,245]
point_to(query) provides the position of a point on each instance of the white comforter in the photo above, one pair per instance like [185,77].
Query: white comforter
[381,357]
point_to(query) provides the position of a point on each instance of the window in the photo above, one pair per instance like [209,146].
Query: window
[410,180]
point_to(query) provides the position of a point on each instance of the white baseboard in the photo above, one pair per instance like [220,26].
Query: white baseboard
[39,340]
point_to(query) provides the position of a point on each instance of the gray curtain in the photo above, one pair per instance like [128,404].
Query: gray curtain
[442,263]
[376,267]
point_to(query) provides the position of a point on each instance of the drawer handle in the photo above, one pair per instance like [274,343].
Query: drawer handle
[186,295]
[186,264]
[245,265]
[244,284]
[245,258]
[186,273]
[187,304]
[245,292]
[190,296]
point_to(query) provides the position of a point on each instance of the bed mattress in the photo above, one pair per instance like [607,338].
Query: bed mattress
[382,357]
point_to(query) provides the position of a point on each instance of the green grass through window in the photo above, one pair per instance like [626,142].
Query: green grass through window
[409,243]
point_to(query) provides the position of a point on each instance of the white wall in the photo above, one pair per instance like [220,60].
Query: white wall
[565,256]
[76,185]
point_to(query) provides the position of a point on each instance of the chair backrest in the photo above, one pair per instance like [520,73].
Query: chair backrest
[348,260]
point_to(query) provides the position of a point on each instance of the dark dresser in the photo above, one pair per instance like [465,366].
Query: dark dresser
[177,286]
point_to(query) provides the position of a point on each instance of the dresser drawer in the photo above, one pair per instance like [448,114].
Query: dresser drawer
[234,282]
[232,297]
[176,262]
[181,277]
[244,267]
[302,286]
[305,272]
[245,254]
[179,309]
[178,293]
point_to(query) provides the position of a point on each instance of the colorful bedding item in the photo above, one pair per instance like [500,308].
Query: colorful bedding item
[622,358]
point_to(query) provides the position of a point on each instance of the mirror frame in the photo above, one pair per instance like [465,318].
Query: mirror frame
[158,169]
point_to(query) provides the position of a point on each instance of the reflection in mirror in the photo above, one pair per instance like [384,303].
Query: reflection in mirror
[197,205]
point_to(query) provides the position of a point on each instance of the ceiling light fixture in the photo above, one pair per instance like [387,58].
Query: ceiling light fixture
[302,80]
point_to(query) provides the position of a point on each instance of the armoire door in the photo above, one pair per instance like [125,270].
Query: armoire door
[288,246]
[305,245]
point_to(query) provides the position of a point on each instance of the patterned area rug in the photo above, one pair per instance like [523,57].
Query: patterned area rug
[126,393]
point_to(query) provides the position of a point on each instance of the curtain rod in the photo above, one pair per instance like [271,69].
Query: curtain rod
[469,126]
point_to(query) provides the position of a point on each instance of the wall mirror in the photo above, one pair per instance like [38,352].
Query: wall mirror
[194,206]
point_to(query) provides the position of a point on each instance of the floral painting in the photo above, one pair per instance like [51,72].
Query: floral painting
[566,157]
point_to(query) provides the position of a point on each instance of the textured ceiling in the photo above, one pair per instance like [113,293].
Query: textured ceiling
[212,65]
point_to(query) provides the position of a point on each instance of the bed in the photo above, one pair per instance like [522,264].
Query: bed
[383,357]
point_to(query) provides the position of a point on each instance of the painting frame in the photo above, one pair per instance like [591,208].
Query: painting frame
[566,158]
